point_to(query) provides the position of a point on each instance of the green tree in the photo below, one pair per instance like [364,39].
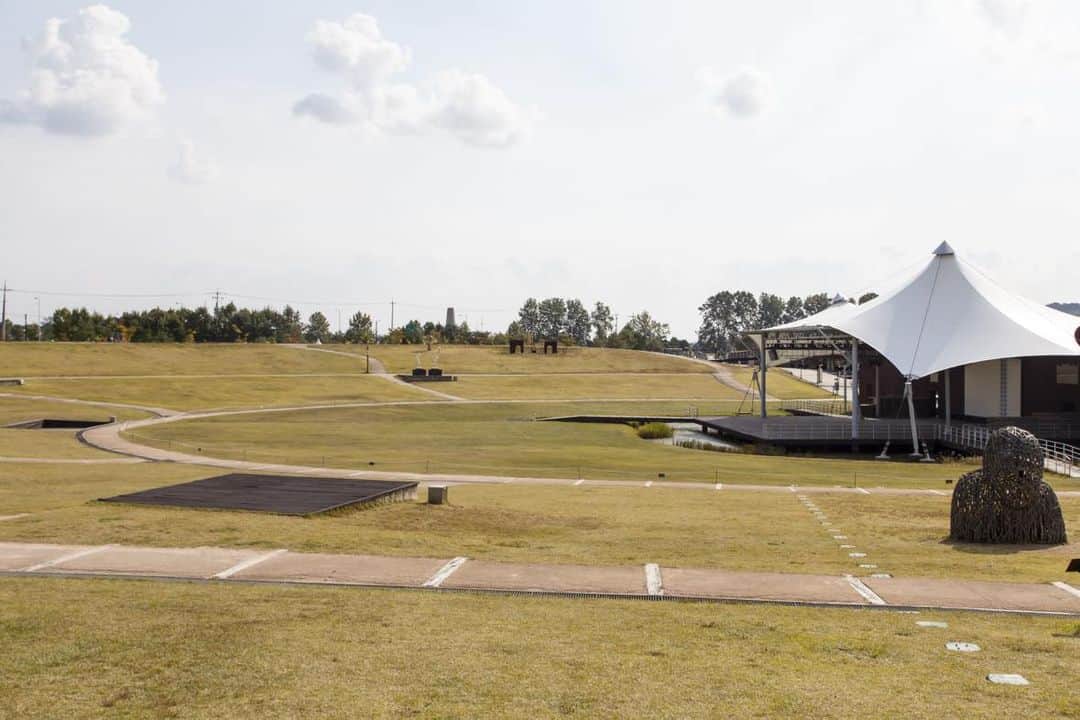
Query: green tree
[414,332]
[793,310]
[552,318]
[360,329]
[867,297]
[814,304]
[603,322]
[529,317]
[770,310]
[577,322]
[642,332]
[318,328]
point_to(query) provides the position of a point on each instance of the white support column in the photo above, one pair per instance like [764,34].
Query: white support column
[856,411]
[911,415]
[948,399]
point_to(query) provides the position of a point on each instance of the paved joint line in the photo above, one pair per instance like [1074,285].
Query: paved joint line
[864,491]
[13,517]
[249,563]
[936,492]
[444,572]
[719,486]
[1067,588]
[67,558]
[654,582]
[579,482]
[860,587]
[648,483]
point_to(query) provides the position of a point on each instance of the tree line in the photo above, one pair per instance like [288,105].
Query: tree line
[728,315]
[569,321]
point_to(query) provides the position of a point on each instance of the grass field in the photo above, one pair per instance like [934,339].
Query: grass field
[503,439]
[454,359]
[187,393]
[164,359]
[208,651]
[737,530]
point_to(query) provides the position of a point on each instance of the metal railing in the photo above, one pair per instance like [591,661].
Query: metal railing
[817,406]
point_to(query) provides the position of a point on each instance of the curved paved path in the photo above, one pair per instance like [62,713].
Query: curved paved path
[108,437]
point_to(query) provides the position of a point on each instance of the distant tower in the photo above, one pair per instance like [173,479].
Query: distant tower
[450,318]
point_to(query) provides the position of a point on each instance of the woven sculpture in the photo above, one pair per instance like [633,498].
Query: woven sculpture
[1007,501]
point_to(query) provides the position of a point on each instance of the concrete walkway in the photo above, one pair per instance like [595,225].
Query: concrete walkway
[648,581]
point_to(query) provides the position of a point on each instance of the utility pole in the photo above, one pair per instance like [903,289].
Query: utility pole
[217,300]
[3,316]
[25,327]
[391,316]
[38,301]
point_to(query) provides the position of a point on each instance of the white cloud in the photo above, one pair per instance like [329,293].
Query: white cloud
[744,93]
[85,77]
[467,105]
[358,50]
[1005,15]
[327,108]
[472,108]
[192,168]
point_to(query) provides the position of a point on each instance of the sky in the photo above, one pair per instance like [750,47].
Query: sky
[337,155]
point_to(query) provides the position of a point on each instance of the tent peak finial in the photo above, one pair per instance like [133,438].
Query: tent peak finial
[944,249]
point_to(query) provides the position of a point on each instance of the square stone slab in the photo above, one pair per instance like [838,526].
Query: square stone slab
[19,556]
[973,594]
[759,586]
[555,578]
[170,562]
[344,569]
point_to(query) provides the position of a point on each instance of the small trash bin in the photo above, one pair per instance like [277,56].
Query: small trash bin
[437,495]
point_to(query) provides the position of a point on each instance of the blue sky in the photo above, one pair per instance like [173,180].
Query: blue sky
[472,154]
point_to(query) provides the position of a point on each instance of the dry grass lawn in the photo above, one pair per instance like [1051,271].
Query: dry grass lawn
[165,359]
[18,409]
[188,393]
[684,386]
[121,648]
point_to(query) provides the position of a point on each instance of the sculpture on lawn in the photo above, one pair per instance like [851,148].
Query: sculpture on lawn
[1007,501]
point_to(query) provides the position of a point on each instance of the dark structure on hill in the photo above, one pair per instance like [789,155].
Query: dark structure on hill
[1071,308]
[1007,501]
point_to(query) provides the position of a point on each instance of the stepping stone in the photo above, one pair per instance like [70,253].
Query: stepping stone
[957,646]
[974,594]
[345,569]
[1007,679]
[856,555]
[477,574]
[932,624]
[847,547]
[867,566]
[839,537]
[880,576]
[686,582]
[200,562]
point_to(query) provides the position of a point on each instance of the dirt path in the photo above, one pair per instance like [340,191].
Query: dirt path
[379,370]
[647,582]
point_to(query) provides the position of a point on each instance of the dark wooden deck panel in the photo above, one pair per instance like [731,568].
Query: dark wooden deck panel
[282,494]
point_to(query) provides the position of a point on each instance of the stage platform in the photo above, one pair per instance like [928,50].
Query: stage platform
[280,494]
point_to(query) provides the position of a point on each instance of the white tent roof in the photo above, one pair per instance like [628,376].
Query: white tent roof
[947,314]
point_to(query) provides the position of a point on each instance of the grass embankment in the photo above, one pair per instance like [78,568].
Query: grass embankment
[17,409]
[684,386]
[455,359]
[97,648]
[165,359]
[60,444]
[731,529]
[503,439]
[780,384]
[188,393]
